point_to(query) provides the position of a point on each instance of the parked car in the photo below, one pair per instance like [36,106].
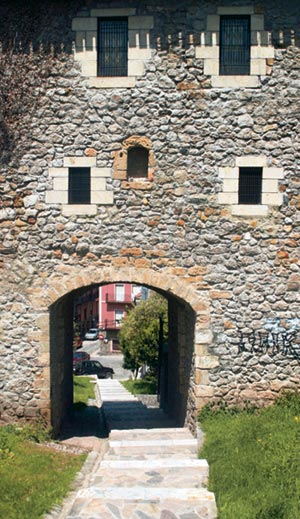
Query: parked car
[78,358]
[94,367]
[92,334]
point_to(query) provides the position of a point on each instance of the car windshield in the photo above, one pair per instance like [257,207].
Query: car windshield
[93,330]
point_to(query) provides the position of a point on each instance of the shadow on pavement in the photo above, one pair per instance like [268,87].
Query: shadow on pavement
[87,421]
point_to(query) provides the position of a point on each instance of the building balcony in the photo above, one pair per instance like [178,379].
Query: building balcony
[126,299]
[108,324]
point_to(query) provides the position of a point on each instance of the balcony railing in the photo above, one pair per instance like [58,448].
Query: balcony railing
[108,324]
[115,298]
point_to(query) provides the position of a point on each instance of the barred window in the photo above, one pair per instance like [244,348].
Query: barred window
[137,162]
[112,46]
[235,45]
[79,185]
[250,185]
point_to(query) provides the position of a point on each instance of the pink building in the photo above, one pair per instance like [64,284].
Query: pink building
[114,299]
[104,308]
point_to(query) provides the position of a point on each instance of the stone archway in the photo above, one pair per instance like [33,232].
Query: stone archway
[188,314]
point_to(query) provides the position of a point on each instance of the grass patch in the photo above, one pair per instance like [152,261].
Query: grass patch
[254,459]
[84,388]
[141,386]
[32,478]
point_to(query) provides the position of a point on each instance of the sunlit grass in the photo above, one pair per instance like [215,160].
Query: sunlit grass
[141,386]
[32,478]
[254,459]
[83,390]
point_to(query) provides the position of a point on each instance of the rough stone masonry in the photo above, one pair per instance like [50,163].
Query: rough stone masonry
[181,230]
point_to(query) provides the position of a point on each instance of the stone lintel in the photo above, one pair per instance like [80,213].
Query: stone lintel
[251,161]
[121,11]
[80,162]
[236,10]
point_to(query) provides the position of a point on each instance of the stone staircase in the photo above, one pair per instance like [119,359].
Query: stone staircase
[150,470]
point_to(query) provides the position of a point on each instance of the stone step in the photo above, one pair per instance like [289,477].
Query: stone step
[155,464]
[152,452]
[126,425]
[130,413]
[160,477]
[145,509]
[164,434]
[153,442]
[141,493]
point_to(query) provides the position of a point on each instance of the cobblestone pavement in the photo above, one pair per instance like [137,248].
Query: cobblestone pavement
[150,469]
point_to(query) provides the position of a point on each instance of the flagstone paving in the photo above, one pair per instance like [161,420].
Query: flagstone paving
[150,470]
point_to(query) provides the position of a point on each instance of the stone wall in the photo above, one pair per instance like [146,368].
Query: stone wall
[171,232]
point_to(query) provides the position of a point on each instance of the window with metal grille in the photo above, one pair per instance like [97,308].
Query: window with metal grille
[235,45]
[137,162]
[112,46]
[79,185]
[250,185]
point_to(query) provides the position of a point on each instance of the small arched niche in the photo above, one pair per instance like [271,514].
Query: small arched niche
[135,160]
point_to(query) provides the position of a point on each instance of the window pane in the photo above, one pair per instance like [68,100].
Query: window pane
[235,45]
[137,162]
[79,185]
[120,292]
[112,46]
[250,185]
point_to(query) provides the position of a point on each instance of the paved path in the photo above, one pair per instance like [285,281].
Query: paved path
[150,470]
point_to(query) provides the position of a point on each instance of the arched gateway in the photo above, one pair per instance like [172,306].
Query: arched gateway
[52,304]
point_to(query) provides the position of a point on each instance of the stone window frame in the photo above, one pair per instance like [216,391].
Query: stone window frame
[85,26]
[60,192]
[271,196]
[120,163]
[261,52]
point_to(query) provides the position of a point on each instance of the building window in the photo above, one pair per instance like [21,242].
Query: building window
[235,45]
[250,185]
[112,47]
[79,186]
[137,162]
[119,316]
[120,292]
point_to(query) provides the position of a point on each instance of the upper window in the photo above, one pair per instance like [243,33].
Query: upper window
[137,162]
[235,45]
[112,47]
[120,292]
[250,185]
[79,186]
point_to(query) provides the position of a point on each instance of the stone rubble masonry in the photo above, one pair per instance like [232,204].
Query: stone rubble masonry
[173,232]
